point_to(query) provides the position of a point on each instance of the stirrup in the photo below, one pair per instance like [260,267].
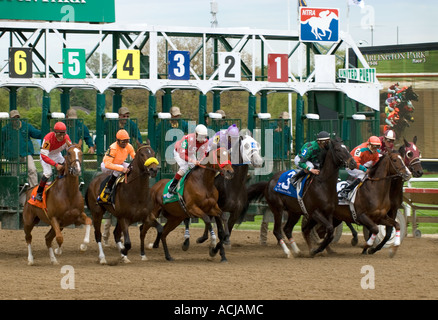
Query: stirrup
[39,197]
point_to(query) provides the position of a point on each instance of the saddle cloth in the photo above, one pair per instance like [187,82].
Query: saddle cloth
[168,198]
[43,204]
[285,187]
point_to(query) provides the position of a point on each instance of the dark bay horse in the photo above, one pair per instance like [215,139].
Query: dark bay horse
[319,199]
[411,156]
[130,200]
[65,206]
[200,197]
[372,205]
[232,192]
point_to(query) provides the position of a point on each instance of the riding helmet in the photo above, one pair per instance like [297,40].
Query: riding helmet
[323,135]
[390,134]
[122,135]
[374,141]
[60,127]
[201,132]
[233,131]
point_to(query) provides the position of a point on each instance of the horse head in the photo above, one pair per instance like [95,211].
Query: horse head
[250,151]
[398,166]
[411,157]
[409,94]
[73,159]
[341,155]
[145,156]
[219,159]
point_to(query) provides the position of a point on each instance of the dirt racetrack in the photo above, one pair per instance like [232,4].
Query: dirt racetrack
[254,272]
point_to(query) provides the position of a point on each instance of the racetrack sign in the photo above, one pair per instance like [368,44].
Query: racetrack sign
[319,24]
[358,74]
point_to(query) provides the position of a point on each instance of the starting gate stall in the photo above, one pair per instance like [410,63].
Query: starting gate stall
[13,172]
[275,138]
[216,122]
[416,199]
[168,132]
[112,124]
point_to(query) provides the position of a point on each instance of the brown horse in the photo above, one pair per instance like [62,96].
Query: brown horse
[130,200]
[411,157]
[318,201]
[65,206]
[200,198]
[373,199]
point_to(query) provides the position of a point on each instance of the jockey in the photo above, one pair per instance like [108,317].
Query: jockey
[387,141]
[308,158]
[186,151]
[114,161]
[53,143]
[224,138]
[366,155]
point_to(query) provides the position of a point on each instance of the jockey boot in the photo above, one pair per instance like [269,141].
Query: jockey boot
[296,177]
[39,195]
[104,197]
[172,187]
[345,192]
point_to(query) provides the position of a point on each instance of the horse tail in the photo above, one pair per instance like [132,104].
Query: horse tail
[254,192]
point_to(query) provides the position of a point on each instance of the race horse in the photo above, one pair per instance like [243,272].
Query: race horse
[318,203]
[232,192]
[371,203]
[199,200]
[411,156]
[130,200]
[64,206]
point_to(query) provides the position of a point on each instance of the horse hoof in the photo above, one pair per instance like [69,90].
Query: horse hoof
[224,260]
[392,251]
[201,240]
[169,258]
[313,253]
[371,250]
[30,263]
[186,244]
[58,251]
[55,262]
[103,261]
[83,247]
[297,254]
[354,242]
[125,259]
[144,258]
[212,252]
[150,246]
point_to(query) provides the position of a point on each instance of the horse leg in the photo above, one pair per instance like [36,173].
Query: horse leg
[288,228]
[172,223]
[143,230]
[374,230]
[305,230]
[355,240]
[124,226]
[117,233]
[278,214]
[327,222]
[97,221]
[84,219]
[186,243]
[50,235]
[59,240]
[389,223]
[222,236]
[28,236]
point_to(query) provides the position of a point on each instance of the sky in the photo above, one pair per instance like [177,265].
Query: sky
[401,21]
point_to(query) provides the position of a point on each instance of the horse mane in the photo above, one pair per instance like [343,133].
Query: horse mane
[371,171]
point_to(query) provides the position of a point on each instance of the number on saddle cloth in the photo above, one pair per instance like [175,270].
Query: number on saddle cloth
[285,187]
